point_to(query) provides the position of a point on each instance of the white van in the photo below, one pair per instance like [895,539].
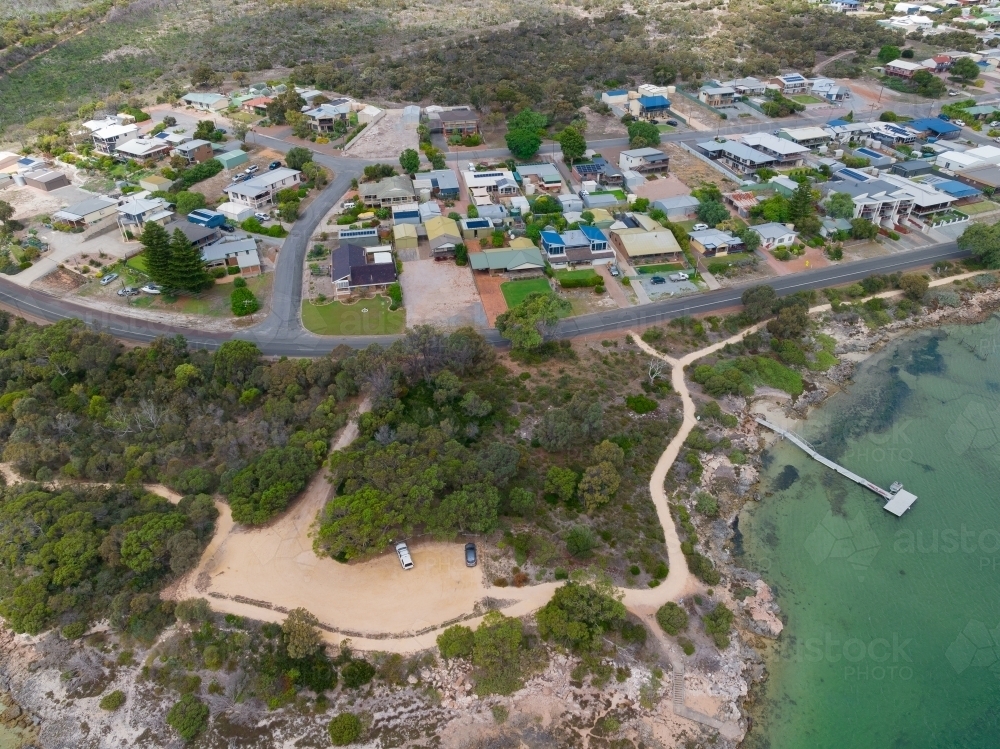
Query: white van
[404,556]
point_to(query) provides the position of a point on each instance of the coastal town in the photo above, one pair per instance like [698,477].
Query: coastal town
[344,418]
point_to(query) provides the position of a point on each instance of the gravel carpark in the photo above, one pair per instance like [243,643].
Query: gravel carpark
[440,293]
[662,290]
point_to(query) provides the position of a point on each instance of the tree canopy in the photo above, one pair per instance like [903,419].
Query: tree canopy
[573,144]
[840,205]
[523,325]
[579,615]
[983,241]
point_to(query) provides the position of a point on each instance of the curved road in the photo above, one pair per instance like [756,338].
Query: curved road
[281,332]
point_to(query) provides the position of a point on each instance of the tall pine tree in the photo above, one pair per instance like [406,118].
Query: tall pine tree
[187,269]
[157,243]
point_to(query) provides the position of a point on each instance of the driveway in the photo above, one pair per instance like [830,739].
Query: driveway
[490,295]
[615,291]
[441,293]
[663,290]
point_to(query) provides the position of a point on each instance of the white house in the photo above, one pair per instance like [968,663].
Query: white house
[773,234]
[499,181]
[206,102]
[259,192]
[106,139]
[643,160]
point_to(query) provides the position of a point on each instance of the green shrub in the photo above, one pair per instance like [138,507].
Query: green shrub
[395,292]
[233,270]
[577,282]
[344,729]
[239,283]
[242,301]
[113,700]
[455,642]
[717,624]
[672,618]
[74,630]
[189,717]
[707,505]
[218,272]
[641,404]
[686,645]
[357,673]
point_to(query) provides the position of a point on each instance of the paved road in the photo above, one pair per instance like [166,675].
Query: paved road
[285,337]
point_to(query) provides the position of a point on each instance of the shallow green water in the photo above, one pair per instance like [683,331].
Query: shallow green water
[893,633]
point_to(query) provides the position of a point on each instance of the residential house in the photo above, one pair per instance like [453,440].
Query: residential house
[785,153]
[890,198]
[902,68]
[592,200]
[639,246]
[600,170]
[830,90]
[744,200]
[87,212]
[475,228]
[717,95]
[982,176]
[893,134]
[739,157]
[791,84]
[387,192]
[810,137]
[749,86]
[496,213]
[906,8]
[107,139]
[954,160]
[206,102]
[495,182]
[522,261]
[406,213]
[227,253]
[27,164]
[260,191]
[357,268]
[829,227]
[445,183]
[615,97]
[679,208]
[982,111]
[602,218]
[257,105]
[845,6]
[570,202]
[404,236]
[196,234]
[368,114]
[458,122]
[207,218]
[650,107]
[323,117]
[365,237]
[154,182]
[713,242]
[142,149]
[938,63]
[584,246]
[235,212]
[543,175]
[773,235]
[428,210]
[443,235]
[309,95]
[46,180]
[935,127]
[643,160]
[911,169]
[194,151]
[134,214]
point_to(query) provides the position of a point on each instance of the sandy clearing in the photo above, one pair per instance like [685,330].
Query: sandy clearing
[441,293]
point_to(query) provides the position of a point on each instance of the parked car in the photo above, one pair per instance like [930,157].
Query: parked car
[658,280]
[404,556]
[228,228]
[960,123]
[613,270]
[470,555]
[262,216]
[995,123]
[152,288]
[128,291]
[678,277]
[944,117]
[274,165]
[953,93]
[105,280]
[348,204]
[251,169]
[699,227]
[672,123]
[237,178]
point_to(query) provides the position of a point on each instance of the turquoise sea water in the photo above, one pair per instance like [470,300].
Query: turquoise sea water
[893,624]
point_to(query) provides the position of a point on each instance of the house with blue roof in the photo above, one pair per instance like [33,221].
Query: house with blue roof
[650,107]
[587,245]
[935,127]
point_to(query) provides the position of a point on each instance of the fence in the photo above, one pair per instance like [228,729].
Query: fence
[700,103]
[714,164]
[365,131]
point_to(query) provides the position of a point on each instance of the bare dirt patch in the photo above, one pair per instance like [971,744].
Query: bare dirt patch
[60,282]
[667,186]
[491,296]
[600,126]
[385,139]
[692,171]
[441,293]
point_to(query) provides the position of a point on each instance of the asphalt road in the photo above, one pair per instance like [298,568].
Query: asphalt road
[285,336]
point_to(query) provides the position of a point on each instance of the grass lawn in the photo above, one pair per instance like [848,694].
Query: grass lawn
[515,291]
[138,262]
[985,206]
[688,225]
[363,317]
[665,128]
[575,274]
[661,268]
[806,99]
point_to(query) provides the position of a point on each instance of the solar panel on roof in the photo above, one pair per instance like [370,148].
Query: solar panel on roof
[589,168]
[853,175]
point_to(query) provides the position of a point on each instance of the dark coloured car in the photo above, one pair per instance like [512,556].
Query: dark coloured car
[672,123]
[470,555]
[228,228]
[658,279]
[274,165]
